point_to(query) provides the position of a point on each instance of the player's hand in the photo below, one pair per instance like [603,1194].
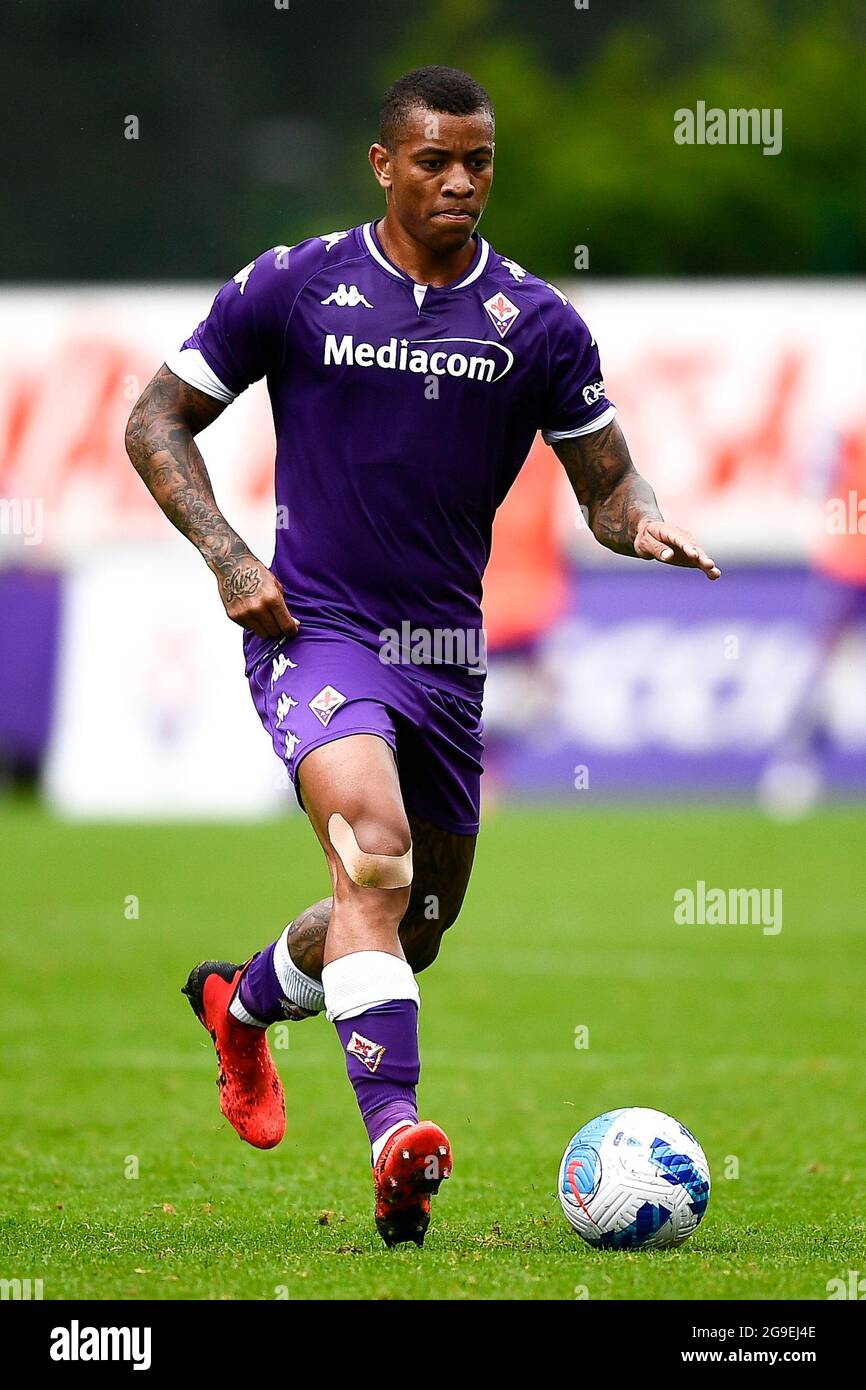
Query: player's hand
[671,545]
[253,597]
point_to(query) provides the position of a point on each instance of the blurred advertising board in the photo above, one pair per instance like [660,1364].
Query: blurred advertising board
[732,396]
[744,404]
[658,681]
[153,717]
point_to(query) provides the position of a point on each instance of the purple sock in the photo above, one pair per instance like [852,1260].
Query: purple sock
[272,988]
[259,989]
[383,1063]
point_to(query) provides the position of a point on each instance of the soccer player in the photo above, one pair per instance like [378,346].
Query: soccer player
[409,367]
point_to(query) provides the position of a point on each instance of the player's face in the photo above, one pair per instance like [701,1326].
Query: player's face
[439,176]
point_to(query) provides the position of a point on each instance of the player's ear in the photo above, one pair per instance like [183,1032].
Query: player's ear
[380,158]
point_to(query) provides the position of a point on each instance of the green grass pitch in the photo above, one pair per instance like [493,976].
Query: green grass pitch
[753,1041]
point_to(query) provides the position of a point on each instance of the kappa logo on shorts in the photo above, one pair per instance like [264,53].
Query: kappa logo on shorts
[281,664]
[284,704]
[326,703]
[502,312]
[368,1053]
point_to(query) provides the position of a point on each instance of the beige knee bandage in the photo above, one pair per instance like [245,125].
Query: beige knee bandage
[368,870]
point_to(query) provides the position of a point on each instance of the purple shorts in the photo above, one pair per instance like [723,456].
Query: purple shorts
[321,686]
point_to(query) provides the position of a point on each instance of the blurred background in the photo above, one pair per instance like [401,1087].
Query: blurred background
[154,149]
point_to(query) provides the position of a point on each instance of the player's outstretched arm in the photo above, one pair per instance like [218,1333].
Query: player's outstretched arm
[620,506]
[160,441]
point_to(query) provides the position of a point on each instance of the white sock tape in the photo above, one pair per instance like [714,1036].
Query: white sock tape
[237,1010]
[361,981]
[296,986]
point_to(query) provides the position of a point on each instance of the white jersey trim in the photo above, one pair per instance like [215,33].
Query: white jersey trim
[553,436]
[191,367]
[482,262]
[377,254]
[399,275]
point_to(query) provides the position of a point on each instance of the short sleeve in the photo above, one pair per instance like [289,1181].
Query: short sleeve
[576,402]
[243,337]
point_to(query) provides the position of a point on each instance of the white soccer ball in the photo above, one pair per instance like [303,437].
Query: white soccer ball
[633,1179]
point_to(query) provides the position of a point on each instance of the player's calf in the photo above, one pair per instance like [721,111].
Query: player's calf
[442,867]
[352,795]
[373,999]
[273,986]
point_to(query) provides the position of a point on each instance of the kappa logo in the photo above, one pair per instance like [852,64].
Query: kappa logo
[292,741]
[347,298]
[593,392]
[284,704]
[243,275]
[326,703]
[514,270]
[368,1053]
[557,292]
[281,665]
[332,239]
[502,312]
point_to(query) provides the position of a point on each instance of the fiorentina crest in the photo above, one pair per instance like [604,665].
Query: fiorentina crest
[326,703]
[368,1053]
[501,311]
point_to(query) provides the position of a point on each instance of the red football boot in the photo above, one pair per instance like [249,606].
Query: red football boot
[409,1171]
[251,1093]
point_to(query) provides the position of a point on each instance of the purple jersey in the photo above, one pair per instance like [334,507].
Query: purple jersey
[403,414]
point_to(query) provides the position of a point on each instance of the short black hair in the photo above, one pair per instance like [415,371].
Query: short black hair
[436,89]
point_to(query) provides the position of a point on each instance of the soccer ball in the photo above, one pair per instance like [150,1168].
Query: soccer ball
[633,1179]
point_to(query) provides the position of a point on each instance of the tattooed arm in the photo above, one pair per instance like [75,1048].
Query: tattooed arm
[160,442]
[620,506]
